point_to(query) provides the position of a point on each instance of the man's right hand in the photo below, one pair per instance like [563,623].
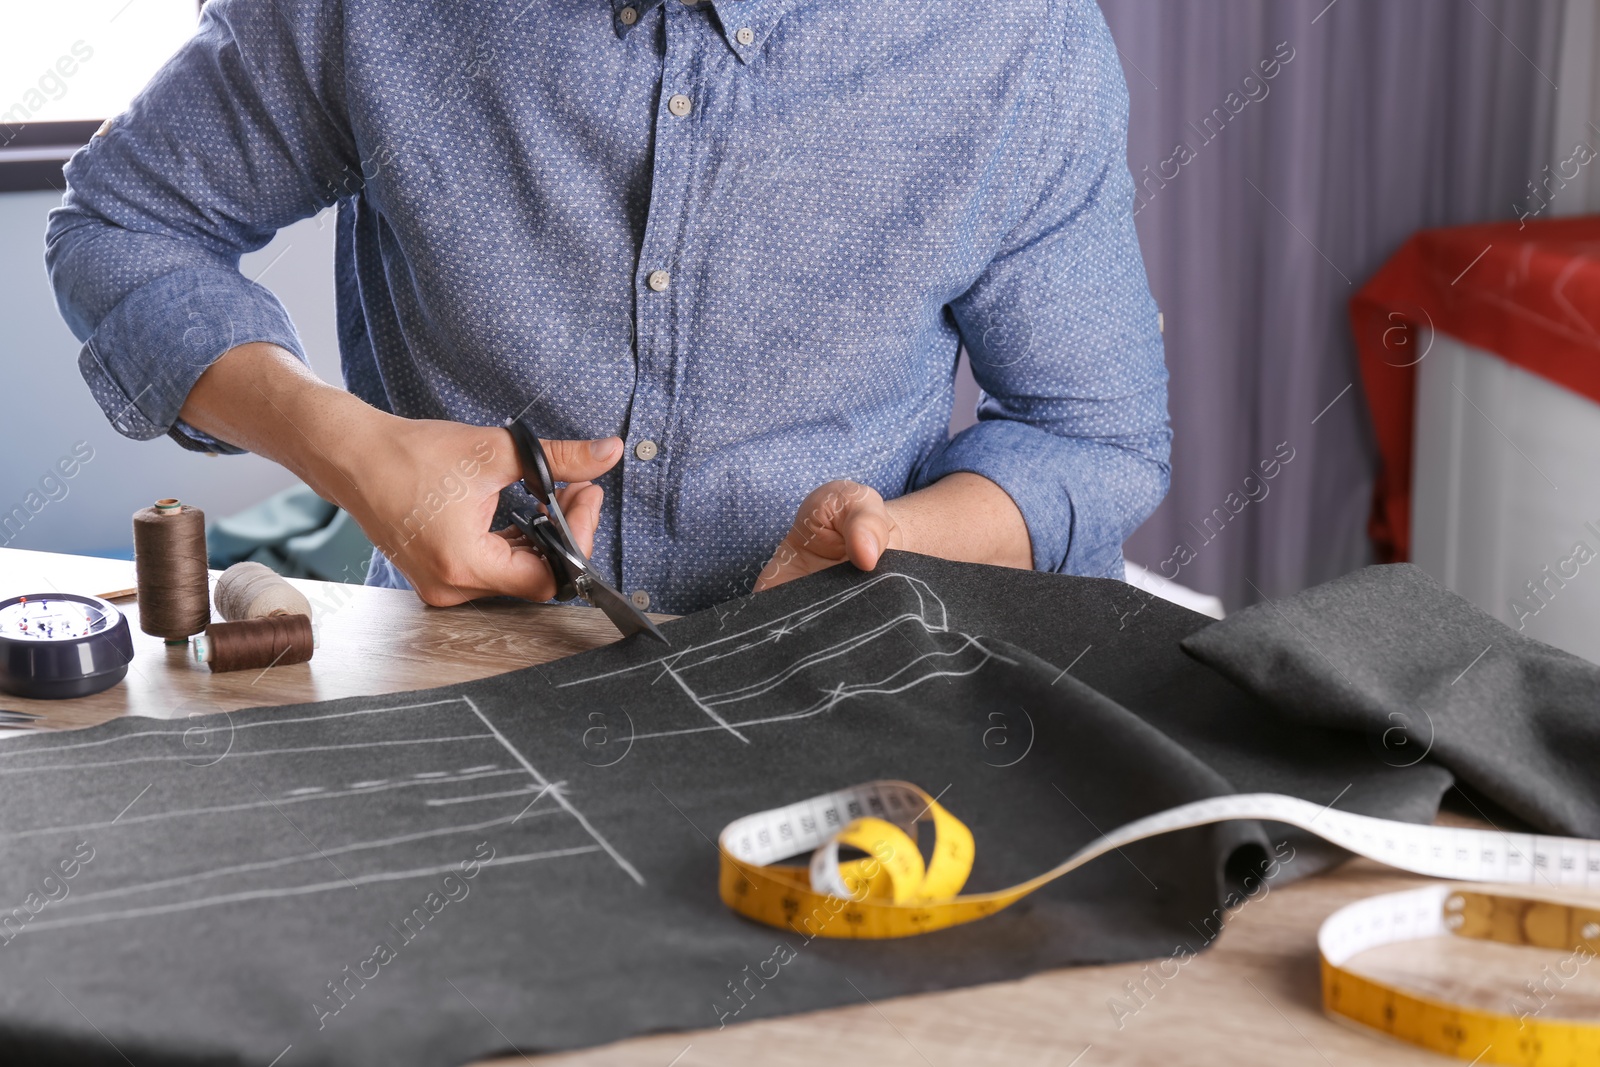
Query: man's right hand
[424,491]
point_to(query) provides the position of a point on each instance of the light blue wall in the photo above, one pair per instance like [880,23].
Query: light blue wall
[45,408]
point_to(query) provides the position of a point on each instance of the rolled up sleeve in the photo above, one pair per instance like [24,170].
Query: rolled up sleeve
[1063,336]
[236,137]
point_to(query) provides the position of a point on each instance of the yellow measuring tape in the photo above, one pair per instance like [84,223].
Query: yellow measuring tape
[892,891]
[1524,1037]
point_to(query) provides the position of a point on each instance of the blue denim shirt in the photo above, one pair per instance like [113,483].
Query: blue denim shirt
[755,233]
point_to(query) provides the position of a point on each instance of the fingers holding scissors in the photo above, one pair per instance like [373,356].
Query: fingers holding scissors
[580,502]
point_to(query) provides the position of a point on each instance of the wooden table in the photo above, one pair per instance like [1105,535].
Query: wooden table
[1252,999]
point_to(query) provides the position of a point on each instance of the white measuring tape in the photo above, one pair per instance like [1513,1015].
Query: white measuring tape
[894,892]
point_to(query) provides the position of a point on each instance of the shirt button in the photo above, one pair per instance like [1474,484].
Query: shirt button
[628,15]
[680,105]
[659,280]
[646,450]
[745,35]
[641,599]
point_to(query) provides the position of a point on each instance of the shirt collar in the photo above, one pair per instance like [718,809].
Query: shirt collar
[733,17]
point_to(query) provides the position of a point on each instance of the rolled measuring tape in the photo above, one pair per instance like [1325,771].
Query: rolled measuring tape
[892,891]
[1469,1033]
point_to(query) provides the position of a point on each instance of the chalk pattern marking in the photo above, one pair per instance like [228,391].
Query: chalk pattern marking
[954,654]
[438,789]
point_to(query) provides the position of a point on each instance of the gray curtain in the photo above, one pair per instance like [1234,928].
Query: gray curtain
[1390,117]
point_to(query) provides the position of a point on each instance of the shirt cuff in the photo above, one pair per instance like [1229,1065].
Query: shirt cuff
[1051,483]
[144,357]
[382,574]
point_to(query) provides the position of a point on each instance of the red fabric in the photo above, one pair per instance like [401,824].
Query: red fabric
[1533,298]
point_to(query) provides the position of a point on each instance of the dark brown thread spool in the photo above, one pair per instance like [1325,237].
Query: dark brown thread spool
[256,644]
[169,559]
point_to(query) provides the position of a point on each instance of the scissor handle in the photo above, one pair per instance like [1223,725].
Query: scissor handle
[544,539]
[539,483]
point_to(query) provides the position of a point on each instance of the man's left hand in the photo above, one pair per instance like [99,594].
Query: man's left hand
[961,517]
[838,521]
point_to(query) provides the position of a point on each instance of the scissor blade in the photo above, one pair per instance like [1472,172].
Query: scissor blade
[619,609]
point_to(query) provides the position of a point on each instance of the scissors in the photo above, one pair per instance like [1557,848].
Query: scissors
[552,538]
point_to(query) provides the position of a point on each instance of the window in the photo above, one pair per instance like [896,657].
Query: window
[68,65]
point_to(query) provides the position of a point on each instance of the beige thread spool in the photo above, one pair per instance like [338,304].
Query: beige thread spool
[252,590]
[169,559]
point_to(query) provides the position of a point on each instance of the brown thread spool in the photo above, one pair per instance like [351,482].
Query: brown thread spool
[256,644]
[169,559]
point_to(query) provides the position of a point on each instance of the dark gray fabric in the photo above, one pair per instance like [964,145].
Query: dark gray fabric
[1390,118]
[1390,652]
[952,676]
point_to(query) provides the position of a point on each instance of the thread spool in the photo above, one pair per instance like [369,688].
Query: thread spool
[256,644]
[251,590]
[169,559]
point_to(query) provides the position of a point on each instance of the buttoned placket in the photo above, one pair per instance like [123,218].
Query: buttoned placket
[658,282]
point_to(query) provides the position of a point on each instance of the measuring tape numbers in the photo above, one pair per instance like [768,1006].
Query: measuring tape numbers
[892,891]
[1470,1033]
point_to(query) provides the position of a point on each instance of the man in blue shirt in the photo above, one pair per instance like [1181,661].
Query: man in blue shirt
[722,253]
